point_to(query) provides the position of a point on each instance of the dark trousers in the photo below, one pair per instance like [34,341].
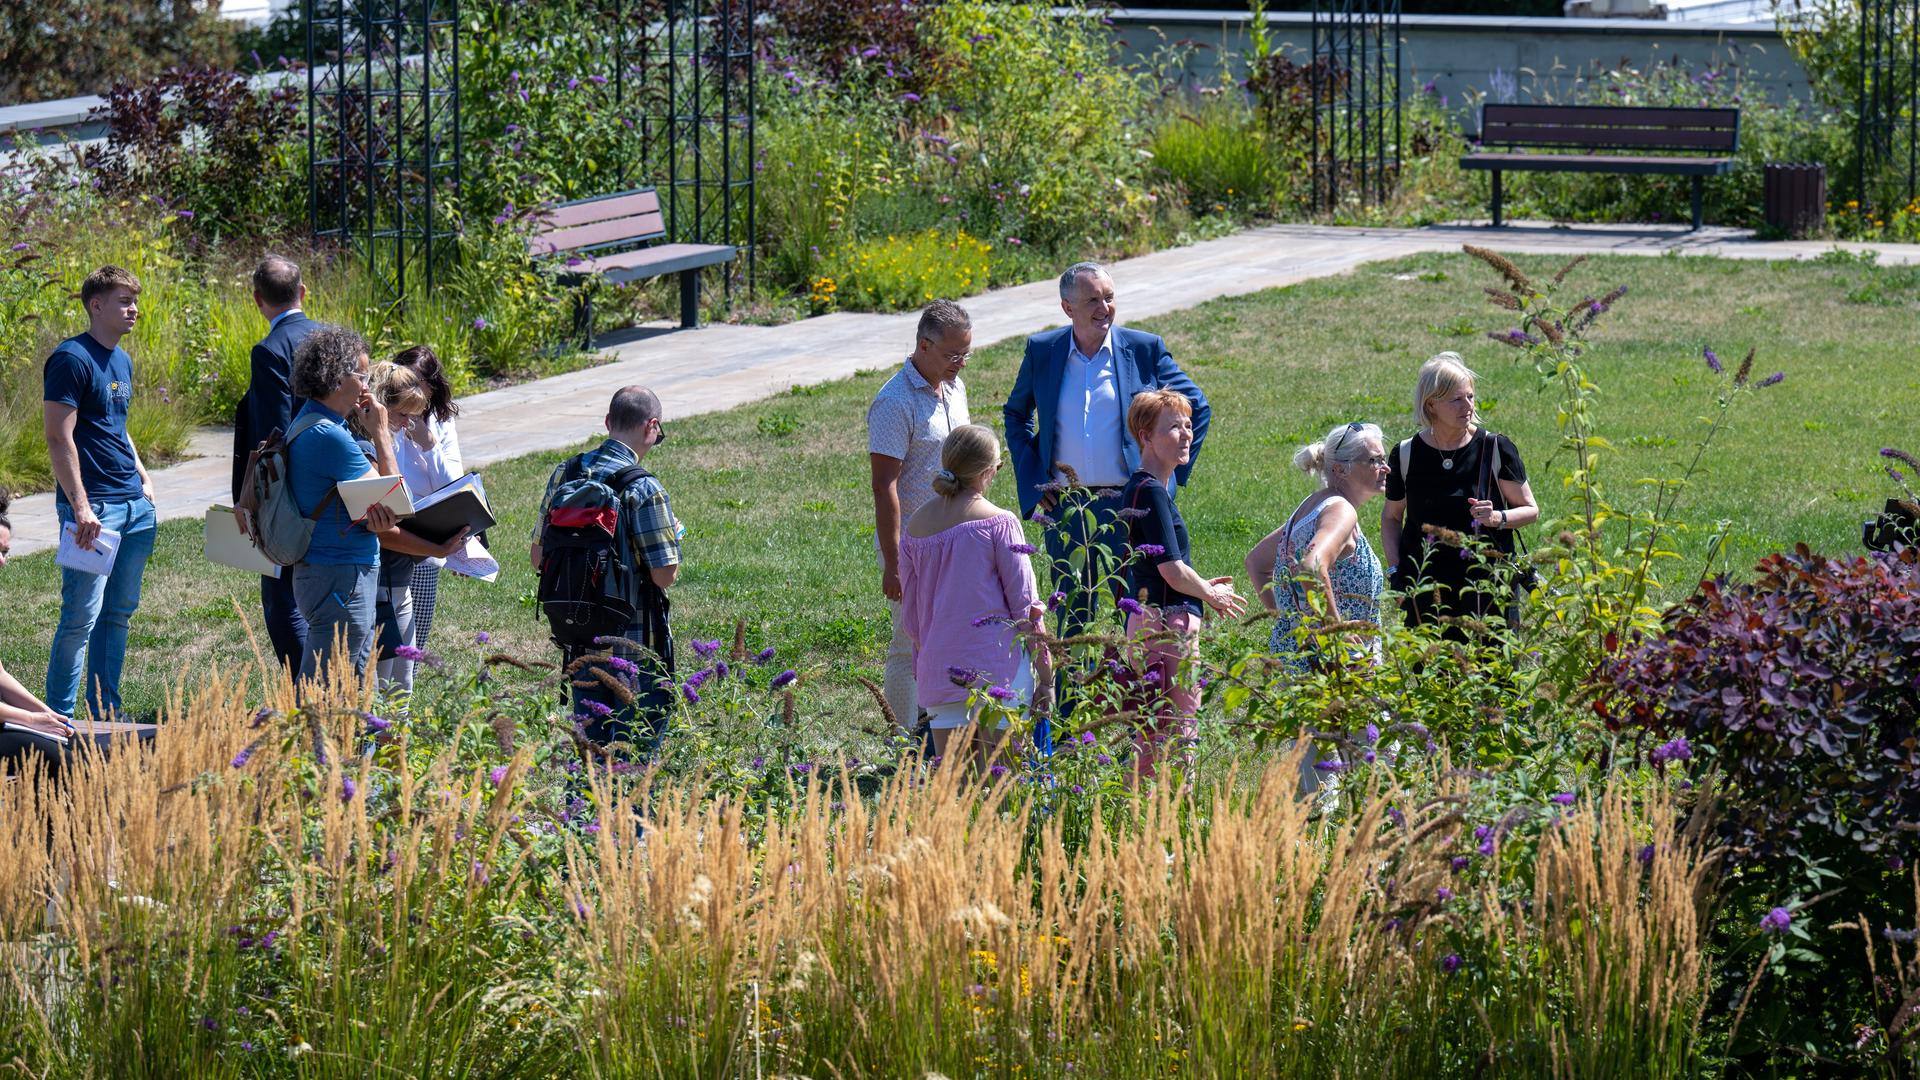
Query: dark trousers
[641,723]
[1080,563]
[286,627]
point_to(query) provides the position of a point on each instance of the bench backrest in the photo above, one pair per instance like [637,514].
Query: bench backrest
[601,222]
[1603,127]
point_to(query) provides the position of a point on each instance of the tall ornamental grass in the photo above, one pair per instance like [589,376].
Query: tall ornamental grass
[269,891]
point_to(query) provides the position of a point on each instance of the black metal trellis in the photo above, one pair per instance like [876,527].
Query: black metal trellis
[1887,124]
[693,113]
[383,134]
[384,137]
[1354,77]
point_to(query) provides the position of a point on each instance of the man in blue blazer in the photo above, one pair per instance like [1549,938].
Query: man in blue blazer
[268,406]
[1068,411]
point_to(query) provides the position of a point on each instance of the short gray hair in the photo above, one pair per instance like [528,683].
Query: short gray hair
[324,360]
[1074,272]
[940,318]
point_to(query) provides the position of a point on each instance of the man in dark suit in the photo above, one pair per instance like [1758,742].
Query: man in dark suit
[1067,429]
[268,406]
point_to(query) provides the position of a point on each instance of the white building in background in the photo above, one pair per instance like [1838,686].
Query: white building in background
[255,12]
[1734,12]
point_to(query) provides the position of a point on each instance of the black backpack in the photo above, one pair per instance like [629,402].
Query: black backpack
[590,587]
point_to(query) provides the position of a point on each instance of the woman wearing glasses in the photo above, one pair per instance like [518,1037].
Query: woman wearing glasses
[1457,476]
[1321,548]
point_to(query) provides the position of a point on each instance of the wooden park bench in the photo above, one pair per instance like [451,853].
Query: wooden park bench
[1601,139]
[615,237]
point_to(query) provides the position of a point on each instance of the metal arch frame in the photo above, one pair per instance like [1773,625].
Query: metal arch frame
[384,141]
[383,134]
[1888,97]
[1354,67]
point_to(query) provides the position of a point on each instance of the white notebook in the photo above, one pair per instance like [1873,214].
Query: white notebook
[228,546]
[358,496]
[99,560]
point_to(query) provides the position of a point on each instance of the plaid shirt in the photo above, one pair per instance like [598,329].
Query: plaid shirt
[649,521]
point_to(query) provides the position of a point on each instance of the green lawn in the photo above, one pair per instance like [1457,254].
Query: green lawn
[779,519]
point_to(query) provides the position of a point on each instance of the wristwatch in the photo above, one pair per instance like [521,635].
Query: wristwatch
[1503,519]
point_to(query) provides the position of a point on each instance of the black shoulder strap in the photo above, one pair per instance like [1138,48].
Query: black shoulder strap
[628,477]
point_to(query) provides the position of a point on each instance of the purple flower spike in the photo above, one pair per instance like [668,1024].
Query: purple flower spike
[1773,379]
[1000,693]
[785,679]
[1443,894]
[597,709]
[482,638]
[1131,606]
[704,649]
[498,774]
[1022,549]
[409,652]
[1450,963]
[240,759]
[1565,798]
[763,656]
[480,322]
[348,789]
[1713,362]
[1777,921]
[1151,551]
[378,723]
[1460,862]
[1646,855]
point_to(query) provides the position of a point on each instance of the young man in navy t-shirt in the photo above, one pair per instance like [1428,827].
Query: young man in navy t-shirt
[102,484]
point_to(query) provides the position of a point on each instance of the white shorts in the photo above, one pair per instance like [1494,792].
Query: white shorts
[955,714]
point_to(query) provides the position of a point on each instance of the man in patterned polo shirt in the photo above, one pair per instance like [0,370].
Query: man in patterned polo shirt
[634,428]
[908,420]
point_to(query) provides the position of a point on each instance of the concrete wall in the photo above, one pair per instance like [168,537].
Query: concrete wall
[1461,53]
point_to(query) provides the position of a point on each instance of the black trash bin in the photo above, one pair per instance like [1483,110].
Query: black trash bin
[1794,198]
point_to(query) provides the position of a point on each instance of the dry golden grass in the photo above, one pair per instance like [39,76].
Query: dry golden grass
[420,925]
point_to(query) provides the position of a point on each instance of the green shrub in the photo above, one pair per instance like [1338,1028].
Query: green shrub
[1212,146]
[822,153]
[52,49]
[906,272]
[1047,129]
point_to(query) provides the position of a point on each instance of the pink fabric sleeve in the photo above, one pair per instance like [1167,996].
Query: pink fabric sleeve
[1017,582]
[911,584]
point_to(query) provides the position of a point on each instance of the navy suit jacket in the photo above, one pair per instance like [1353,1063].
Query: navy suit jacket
[1140,362]
[269,404]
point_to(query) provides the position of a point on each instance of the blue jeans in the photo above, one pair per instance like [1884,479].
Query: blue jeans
[337,602]
[285,627]
[95,611]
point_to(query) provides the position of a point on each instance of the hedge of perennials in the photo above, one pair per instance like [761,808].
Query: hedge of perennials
[1613,841]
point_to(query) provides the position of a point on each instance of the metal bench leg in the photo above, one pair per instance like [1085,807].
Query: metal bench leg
[1699,184]
[689,299]
[583,318]
[1496,198]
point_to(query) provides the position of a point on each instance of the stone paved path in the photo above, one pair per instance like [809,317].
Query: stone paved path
[718,367]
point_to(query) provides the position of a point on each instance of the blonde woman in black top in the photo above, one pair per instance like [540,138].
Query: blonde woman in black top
[1455,475]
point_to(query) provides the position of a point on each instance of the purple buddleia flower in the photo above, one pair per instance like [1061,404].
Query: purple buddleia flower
[348,789]
[1460,862]
[764,656]
[1443,894]
[240,759]
[1713,362]
[1022,549]
[498,775]
[1773,379]
[785,679]
[377,723]
[1131,606]
[963,676]
[482,638]
[1130,513]
[984,620]
[1450,963]
[1676,750]
[623,666]
[597,709]
[691,692]
[1001,693]
[721,670]
[704,649]
[1564,798]
[1151,551]
[1777,921]
[1056,600]
[1646,855]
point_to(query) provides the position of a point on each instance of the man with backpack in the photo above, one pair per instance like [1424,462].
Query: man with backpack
[606,547]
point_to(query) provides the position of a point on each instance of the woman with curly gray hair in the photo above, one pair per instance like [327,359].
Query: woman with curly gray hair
[334,585]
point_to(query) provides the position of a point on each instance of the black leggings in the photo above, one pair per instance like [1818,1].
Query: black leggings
[17,748]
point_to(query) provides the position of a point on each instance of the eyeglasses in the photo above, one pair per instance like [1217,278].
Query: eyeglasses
[960,358]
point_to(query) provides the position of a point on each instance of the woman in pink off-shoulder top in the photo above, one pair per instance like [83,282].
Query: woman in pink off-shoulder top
[967,592]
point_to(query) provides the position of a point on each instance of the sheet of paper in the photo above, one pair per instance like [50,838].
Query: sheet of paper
[106,548]
[471,481]
[358,496]
[228,546]
[35,732]
[474,561]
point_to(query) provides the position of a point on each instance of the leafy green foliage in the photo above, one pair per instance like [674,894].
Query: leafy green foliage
[51,49]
